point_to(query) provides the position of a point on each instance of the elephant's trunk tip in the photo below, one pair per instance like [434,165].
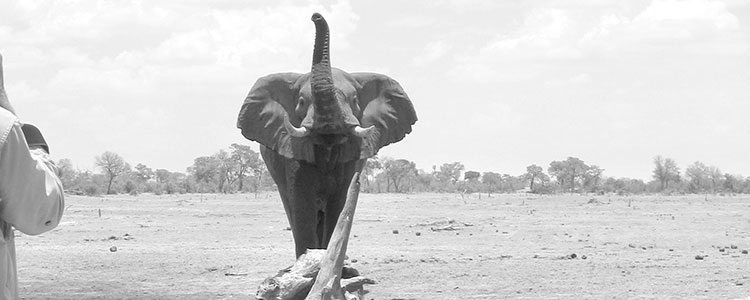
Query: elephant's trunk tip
[316,17]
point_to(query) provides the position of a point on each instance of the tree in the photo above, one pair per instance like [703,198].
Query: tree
[592,178]
[161,175]
[732,183]
[369,171]
[143,173]
[533,174]
[665,172]
[112,165]
[450,172]
[66,172]
[247,162]
[471,181]
[716,178]
[698,177]
[568,173]
[703,178]
[491,181]
[205,169]
[397,171]
[471,176]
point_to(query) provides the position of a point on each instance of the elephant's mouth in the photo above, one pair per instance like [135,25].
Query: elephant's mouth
[331,139]
[330,135]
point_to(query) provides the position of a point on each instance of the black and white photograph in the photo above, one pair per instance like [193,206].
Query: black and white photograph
[374,150]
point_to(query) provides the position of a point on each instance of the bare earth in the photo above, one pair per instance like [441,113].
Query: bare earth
[423,246]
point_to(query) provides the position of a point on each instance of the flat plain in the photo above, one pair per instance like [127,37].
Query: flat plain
[416,246]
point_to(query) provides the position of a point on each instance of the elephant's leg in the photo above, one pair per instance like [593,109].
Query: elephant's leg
[277,165]
[296,187]
[337,195]
[305,206]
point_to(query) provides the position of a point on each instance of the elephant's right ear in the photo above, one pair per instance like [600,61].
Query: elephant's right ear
[261,117]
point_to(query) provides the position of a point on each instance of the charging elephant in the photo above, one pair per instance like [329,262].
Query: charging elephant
[316,130]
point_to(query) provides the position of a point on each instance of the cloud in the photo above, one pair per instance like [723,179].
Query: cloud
[544,35]
[124,66]
[431,53]
[663,24]
[555,37]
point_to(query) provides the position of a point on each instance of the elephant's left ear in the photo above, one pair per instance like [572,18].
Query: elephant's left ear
[385,105]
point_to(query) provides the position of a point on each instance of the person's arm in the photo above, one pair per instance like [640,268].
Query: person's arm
[31,194]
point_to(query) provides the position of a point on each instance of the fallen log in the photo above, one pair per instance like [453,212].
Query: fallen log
[317,274]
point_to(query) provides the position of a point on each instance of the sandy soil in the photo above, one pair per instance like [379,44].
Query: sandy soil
[424,246]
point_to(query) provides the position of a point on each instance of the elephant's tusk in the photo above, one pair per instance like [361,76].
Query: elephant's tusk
[362,132]
[294,131]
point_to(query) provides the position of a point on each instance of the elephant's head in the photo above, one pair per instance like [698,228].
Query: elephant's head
[293,114]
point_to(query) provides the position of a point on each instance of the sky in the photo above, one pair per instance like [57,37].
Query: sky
[497,85]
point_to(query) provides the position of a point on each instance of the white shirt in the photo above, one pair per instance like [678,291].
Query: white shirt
[31,196]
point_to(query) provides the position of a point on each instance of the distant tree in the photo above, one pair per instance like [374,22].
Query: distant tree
[450,172]
[66,172]
[371,168]
[512,183]
[665,172]
[698,177]
[733,183]
[246,162]
[492,181]
[206,171]
[112,165]
[471,175]
[568,173]
[716,178]
[398,171]
[535,174]
[592,178]
[143,173]
[161,175]
[471,181]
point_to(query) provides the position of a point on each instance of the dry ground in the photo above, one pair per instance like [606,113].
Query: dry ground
[423,246]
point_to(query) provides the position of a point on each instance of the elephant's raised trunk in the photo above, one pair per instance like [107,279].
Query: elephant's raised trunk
[324,92]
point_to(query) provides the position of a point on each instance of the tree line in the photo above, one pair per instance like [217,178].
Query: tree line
[239,169]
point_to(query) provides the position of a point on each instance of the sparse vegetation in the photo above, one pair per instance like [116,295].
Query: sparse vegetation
[239,169]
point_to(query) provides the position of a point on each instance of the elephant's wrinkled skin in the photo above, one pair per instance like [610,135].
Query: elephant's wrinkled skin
[316,130]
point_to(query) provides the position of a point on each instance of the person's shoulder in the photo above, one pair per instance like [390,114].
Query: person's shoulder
[6,114]
[7,119]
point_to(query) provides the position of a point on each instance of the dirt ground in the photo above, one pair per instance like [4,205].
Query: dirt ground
[423,246]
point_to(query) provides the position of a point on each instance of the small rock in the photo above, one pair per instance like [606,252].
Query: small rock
[699,257]
[354,260]
[583,257]
[418,233]
[395,231]
[113,249]
[733,246]
[721,249]
[670,250]
[744,251]
[572,256]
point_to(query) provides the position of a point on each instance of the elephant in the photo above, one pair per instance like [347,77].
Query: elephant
[316,130]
